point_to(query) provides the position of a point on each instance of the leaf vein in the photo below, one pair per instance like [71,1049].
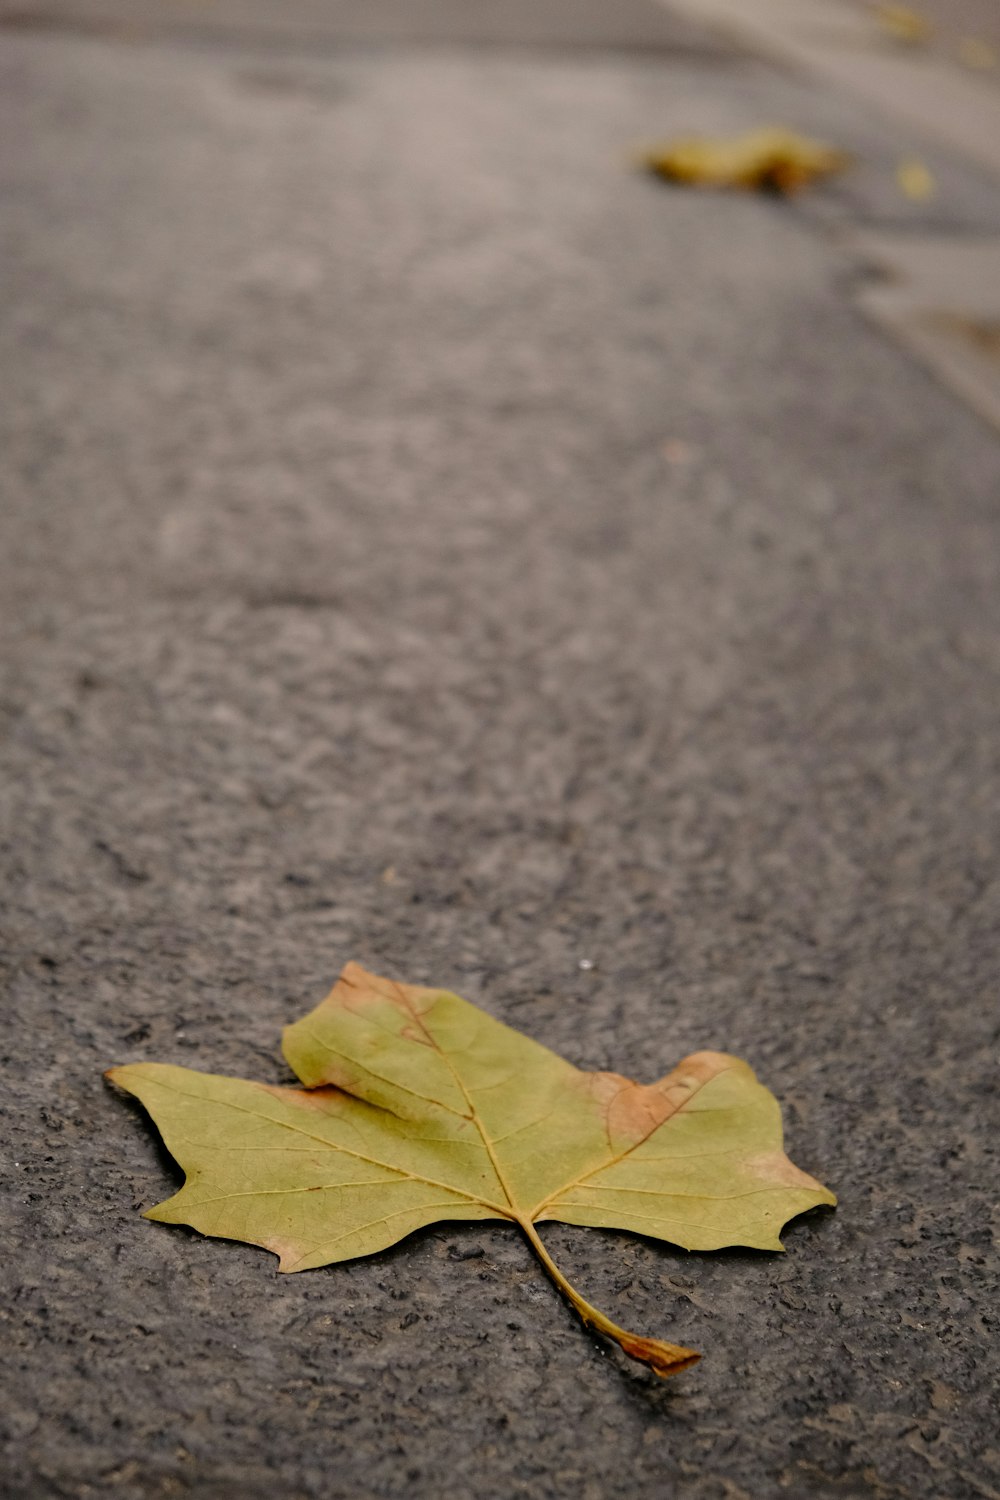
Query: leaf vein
[578,1181]
[697,1197]
[320,1187]
[335,1146]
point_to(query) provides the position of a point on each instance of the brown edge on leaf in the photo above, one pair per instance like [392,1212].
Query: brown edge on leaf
[632,1111]
[357,986]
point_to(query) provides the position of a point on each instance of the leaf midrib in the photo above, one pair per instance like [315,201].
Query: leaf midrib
[415,1015]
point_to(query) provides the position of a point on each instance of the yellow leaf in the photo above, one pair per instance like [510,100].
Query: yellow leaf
[904,24]
[771,158]
[418,1107]
[915,181]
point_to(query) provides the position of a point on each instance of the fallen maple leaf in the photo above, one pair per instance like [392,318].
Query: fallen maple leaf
[772,159]
[418,1107]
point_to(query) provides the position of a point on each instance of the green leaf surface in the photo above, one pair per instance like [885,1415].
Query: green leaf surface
[418,1107]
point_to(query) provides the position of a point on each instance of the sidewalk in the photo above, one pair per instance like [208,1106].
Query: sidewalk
[428,541]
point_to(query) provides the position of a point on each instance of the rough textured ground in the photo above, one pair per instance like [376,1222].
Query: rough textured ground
[428,542]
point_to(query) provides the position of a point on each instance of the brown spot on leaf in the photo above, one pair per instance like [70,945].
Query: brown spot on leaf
[701,1067]
[356,989]
[632,1111]
[635,1112]
[323,1101]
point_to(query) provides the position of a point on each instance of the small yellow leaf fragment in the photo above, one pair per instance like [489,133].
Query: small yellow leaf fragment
[770,159]
[915,181]
[904,24]
[975,53]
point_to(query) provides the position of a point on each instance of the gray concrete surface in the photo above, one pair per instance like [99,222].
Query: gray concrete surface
[627,25]
[392,480]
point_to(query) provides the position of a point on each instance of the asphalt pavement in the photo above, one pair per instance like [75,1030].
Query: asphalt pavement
[426,539]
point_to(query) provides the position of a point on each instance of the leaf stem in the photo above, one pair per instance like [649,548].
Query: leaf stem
[663,1359]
